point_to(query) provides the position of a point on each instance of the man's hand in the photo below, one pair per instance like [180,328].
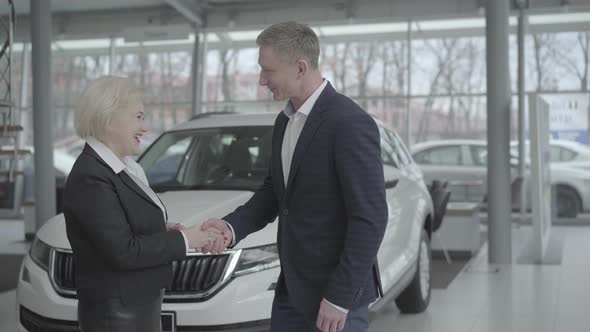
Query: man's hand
[174,227]
[217,246]
[197,238]
[330,319]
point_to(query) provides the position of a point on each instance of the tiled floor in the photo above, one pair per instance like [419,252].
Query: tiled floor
[503,298]
[509,298]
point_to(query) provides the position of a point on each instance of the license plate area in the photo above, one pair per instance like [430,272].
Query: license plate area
[168,319]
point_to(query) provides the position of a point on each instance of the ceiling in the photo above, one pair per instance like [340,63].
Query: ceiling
[80,19]
[23,6]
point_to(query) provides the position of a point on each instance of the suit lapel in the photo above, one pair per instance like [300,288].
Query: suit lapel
[313,122]
[122,175]
[277,154]
[133,186]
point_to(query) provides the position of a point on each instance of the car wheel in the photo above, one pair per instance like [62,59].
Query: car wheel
[415,298]
[568,202]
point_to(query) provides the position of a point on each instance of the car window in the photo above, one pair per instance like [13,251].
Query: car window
[167,165]
[228,158]
[479,155]
[440,155]
[388,154]
[567,154]
[554,153]
[400,151]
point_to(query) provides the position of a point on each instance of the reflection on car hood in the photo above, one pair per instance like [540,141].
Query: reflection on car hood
[187,207]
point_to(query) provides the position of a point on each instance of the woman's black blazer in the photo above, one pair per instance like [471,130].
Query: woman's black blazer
[117,233]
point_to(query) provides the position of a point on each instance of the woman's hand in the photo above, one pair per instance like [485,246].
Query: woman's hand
[198,238]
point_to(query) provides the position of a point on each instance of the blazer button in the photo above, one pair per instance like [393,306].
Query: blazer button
[286,212]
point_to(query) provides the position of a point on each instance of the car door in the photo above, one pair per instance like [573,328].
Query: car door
[475,166]
[445,163]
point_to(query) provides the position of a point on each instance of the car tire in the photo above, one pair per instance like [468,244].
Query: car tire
[568,202]
[416,297]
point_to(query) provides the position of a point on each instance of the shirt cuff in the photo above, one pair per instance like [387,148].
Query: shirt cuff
[185,240]
[233,234]
[337,307]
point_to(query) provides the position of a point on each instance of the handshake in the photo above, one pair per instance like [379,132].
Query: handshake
[212,236]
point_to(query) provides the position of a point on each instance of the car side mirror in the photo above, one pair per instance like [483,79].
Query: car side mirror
[390,184]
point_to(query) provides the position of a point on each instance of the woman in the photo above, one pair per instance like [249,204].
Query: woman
[116,224]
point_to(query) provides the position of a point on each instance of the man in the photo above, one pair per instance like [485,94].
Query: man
[326,185]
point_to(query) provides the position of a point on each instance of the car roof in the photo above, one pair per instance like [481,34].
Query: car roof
[577,146]
[417,147]
[224,119]
[561,142]
[230,119]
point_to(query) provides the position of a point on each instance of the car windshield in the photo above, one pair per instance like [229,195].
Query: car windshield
[225,158]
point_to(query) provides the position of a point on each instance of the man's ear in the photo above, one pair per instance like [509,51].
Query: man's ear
[302,67]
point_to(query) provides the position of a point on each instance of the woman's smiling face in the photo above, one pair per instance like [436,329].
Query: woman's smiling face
[126,128]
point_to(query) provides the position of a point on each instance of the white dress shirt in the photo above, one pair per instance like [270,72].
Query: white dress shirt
[297,119]
[133,169]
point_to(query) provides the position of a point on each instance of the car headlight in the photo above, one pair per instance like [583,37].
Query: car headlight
[40,253]
[257,259]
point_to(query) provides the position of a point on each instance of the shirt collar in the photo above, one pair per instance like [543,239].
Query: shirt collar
[107,155]
[307,106]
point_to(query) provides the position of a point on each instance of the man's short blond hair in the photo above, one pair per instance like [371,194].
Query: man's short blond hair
[99,101]
[293,41]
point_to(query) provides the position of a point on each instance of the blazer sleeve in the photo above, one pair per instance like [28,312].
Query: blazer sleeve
[257,212]
[359,169]
[98,213]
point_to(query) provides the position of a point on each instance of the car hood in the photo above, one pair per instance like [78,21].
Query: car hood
[186,207]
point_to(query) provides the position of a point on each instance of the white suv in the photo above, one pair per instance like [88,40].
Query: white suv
[206,168]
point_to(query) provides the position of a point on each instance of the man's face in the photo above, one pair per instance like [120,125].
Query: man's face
[279,75]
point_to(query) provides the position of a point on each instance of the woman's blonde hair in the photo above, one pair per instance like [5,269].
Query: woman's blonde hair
[99,101]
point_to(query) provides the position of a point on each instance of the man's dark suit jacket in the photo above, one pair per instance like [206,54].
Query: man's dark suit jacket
[117,233]
[333,211]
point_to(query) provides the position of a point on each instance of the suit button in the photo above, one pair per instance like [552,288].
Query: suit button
[285,212]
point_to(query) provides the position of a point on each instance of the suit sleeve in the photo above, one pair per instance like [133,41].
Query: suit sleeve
[260,210]
[256,213]
[98,213]
[359,169]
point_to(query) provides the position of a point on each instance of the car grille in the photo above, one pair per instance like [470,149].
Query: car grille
[196,277]
[63,271]
[197,274]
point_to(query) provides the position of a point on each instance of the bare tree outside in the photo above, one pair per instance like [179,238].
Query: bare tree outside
[335,60]
[448,79]
[543,66]
[576,60]
[394,81]
[442,50]
[363,57]
[227,58]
